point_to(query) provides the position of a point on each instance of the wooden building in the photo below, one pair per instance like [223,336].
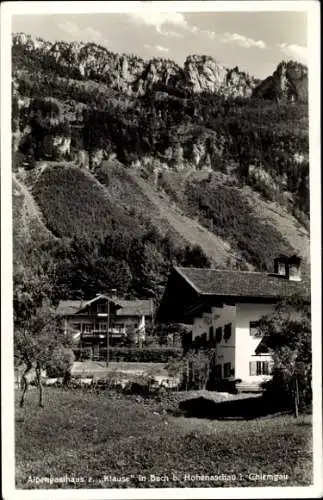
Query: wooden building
[104,320]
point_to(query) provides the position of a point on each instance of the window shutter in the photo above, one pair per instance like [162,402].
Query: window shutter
[227,370]
[227,331]
[218,334]
[253,368]
[254,327]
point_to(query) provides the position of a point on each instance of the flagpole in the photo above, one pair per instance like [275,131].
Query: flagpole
[108,331]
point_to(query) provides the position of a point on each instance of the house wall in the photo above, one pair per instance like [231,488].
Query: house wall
[226,348]
[246,344]
[239,349]
[218,318]
[117,324]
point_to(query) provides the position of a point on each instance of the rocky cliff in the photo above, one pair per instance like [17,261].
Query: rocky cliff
[204,74]
[131,74]
[288,82]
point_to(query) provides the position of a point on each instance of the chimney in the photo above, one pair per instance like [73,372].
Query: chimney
[288,267]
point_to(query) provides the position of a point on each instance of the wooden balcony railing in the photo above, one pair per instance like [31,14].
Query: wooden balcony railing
[113,332]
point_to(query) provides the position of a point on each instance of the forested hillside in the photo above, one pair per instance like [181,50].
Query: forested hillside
[127,175]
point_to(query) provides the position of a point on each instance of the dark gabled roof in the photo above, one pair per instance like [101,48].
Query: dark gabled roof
[125,307]
[231,283]
[191,291]
[135,308]
[68,307]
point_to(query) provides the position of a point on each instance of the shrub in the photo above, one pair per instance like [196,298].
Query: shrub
[86,353]
[150,341]
[60,363]
[194,368]
[287,333]
[177,367]
[199,366]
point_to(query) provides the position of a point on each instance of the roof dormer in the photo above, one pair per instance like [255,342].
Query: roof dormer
[288,267]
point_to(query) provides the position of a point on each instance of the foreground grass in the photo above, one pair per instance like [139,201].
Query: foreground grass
[98,438]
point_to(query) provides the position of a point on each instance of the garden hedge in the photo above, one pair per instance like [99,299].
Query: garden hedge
[132,354]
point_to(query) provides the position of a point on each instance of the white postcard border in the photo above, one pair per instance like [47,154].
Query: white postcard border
[9,9]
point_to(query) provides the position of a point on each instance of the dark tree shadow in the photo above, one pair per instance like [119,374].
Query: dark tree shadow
[246,409]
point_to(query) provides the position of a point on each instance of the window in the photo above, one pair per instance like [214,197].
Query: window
[76,326]
[281,268]
[293,271]
[227,370]
[103,326]
[227,331]
[218,334]
[254,328]
[259,368]
[88,328]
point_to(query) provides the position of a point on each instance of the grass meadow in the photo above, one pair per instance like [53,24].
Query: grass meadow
[106,440]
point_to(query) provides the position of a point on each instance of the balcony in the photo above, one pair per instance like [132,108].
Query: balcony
[114,332]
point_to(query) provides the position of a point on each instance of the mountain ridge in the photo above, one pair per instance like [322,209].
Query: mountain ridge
[123,174]
[133,75]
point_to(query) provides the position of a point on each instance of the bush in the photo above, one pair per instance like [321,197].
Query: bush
[60,363]
[287,332]
[133,355]
[150,341]
[86,353]
[198,373]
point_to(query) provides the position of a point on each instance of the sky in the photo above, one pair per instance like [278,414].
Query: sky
[254,41]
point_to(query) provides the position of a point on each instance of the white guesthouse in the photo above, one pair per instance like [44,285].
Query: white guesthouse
[224,308]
